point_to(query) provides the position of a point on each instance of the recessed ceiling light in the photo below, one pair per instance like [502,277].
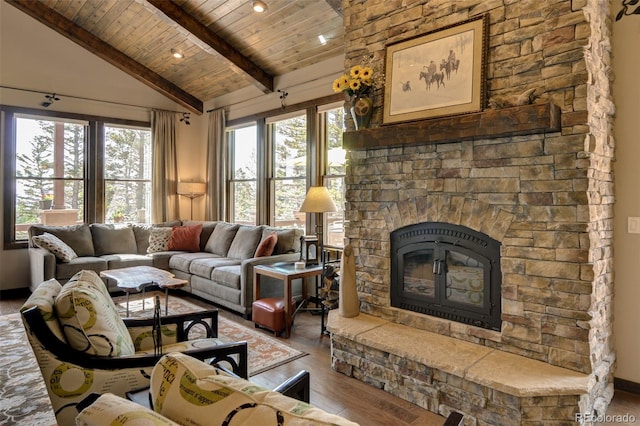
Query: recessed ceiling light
[323,40]
[258,6]
[177,54]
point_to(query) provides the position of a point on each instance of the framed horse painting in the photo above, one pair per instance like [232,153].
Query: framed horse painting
[438,73]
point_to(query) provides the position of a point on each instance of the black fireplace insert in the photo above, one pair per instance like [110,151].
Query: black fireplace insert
[449,271]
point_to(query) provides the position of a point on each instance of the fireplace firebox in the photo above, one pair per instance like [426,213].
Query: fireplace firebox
[448,271]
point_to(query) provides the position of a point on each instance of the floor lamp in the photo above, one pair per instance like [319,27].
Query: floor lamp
[192,190]
[318,200]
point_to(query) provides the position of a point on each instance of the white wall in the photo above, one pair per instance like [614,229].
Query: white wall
[626,92]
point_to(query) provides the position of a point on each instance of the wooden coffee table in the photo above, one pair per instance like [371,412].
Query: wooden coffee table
[136,279]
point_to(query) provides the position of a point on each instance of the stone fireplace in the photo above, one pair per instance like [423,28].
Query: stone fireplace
[543,192]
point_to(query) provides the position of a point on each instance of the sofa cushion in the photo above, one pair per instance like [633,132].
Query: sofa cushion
[89,318]
[204,267]
[180,381]
[245,242]
[107,239]
[221,238]
[117,261]
[56,246]
[110,409]
[78,237]
[267,245]
[64,271]
[182,261]
[228,276]
[141,233]
[159,238]
[185,238]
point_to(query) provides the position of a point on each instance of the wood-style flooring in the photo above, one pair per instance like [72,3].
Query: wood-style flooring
[333,391]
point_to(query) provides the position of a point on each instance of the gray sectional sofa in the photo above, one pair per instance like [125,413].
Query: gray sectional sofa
[221,271]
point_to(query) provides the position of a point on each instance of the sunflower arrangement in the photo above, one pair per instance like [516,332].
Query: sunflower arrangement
[358,82]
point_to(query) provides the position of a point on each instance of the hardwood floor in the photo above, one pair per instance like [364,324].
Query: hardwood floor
[335,392]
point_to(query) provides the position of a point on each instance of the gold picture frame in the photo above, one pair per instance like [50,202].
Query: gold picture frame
[438,73]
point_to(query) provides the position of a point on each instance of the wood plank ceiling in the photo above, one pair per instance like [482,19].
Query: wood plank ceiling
[226,45]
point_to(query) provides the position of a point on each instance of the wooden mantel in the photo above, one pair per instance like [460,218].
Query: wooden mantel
[493,123]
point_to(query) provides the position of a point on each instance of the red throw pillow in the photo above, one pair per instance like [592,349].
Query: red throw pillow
[266,246]
[185,238]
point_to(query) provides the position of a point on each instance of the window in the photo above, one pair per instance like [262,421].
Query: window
[62,168]
[298,149]
[127,174]
[243,158]
[288,138]
[331,136]
[49,172]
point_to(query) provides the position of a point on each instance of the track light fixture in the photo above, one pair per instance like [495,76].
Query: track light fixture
[50,99]
[283,97]
[185,118]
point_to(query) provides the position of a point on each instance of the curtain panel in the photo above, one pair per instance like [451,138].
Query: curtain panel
[165,167]
[215,203]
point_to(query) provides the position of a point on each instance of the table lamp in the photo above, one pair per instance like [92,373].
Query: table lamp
[318,201]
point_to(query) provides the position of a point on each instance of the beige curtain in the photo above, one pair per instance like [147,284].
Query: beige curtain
[215,206]
[165,167]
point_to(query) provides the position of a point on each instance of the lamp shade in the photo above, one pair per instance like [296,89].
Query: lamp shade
[191,188]
[318,200]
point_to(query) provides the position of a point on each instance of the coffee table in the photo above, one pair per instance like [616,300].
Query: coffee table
[137,278]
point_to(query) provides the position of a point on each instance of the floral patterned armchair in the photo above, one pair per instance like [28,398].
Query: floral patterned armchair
[83,346]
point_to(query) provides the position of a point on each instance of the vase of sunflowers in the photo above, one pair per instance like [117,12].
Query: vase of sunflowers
[358,84]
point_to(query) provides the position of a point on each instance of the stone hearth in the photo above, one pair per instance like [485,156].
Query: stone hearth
[546,197]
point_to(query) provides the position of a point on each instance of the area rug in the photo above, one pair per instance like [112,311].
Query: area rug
[23,396]
[265,352]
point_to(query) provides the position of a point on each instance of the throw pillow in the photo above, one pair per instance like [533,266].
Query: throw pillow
[185,238]
[56,246]
[266,246]
[213,397]
[89,318]
[44,297]
[159,238]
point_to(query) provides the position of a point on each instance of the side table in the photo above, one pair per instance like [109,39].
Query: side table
[286,272]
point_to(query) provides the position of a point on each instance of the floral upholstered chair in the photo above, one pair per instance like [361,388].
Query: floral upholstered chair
[83,346]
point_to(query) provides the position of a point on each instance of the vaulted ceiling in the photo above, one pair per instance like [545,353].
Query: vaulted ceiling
[226,45]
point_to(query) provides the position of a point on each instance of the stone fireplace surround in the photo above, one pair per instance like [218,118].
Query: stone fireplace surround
[546,195]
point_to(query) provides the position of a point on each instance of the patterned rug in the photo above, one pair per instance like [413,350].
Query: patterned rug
[23,396]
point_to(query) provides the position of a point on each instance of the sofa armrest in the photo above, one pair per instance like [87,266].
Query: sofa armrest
[246,272]
[42,264]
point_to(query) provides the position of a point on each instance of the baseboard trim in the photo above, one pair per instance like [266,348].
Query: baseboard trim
[626,385]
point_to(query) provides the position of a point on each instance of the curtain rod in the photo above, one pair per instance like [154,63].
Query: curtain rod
[83,98]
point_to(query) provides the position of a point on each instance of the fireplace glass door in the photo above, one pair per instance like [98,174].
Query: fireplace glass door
[446,277]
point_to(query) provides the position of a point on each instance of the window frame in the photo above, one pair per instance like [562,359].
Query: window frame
[316,153]
[93,167]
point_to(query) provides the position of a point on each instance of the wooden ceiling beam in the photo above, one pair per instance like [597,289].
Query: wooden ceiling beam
[82,37]
[238,62]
